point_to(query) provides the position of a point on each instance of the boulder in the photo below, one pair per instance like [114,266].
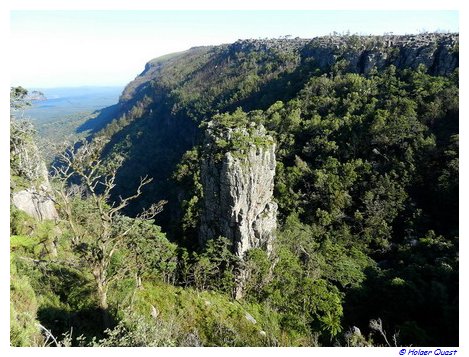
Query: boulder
[35,203]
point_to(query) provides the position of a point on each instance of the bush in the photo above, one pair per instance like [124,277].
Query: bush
[24,330]
[21,223]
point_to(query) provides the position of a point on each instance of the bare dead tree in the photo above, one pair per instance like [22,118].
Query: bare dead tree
[377,325]
[82,183]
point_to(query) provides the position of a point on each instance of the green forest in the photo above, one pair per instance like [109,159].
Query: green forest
[365,250]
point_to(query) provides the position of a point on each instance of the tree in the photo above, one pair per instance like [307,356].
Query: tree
[148,251]
[18,99]
[24,155]
[215,267]
[83,182]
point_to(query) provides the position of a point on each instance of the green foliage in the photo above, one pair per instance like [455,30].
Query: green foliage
[21,223]
[62,295]
[24,329]
[236,133]
[215,267]
[309,277]
[164,315]
[256,266]
[18,98]
[24,244]
[187,177]
[147,250]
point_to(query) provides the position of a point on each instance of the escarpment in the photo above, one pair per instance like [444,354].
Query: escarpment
[159,112]
[360,54]
[237,174]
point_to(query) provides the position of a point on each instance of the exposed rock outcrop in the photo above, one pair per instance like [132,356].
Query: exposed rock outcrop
[36,203]
[29,187]
[238,184]
[438,52]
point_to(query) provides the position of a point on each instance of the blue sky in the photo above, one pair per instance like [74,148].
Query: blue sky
[74,48]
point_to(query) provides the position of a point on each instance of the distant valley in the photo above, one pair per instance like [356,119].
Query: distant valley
[62,102]
[64,111]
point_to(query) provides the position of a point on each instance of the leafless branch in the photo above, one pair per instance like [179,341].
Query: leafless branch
[125,201]
[152,211]
[377,325]
[48,334]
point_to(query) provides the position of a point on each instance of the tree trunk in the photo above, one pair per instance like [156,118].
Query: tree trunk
[102,296]
[138,281]
[102,299]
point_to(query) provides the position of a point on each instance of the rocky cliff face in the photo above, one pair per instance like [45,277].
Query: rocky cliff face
[238,188]
[438,52]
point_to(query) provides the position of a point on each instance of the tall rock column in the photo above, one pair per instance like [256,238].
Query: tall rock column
[237,174]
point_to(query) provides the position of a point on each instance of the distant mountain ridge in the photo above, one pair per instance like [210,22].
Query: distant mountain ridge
[435,51]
